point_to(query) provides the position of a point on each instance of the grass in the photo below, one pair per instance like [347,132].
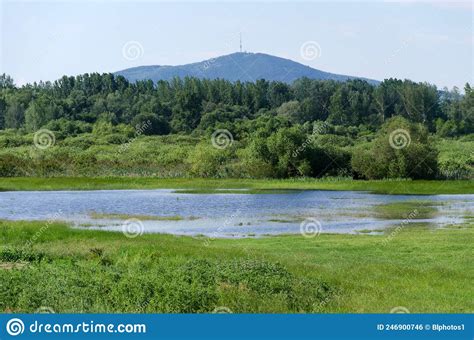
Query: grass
[71,270]
[200,185]
[406,210]
[282,220]
[368,231]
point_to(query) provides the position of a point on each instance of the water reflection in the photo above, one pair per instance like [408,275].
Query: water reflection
[227,214]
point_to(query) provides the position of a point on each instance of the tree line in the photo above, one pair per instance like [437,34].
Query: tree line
[310,128]
[189,104]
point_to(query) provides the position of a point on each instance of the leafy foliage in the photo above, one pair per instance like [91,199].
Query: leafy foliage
[310,128]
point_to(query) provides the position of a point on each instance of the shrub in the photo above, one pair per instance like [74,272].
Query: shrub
[20,254]
[208,161]
[83,141]
[401,150]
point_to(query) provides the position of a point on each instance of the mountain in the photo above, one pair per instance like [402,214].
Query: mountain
[241,66]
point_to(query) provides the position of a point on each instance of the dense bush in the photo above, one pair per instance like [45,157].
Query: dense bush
[165,285]
[20,255]
[401,150]
[456,160]
[208,161]
[100,125]
[289,152]
[150,124]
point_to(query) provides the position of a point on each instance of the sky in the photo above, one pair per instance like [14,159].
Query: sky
[422,41]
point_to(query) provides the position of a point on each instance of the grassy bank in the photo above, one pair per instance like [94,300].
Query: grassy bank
[69,270]
[209,185]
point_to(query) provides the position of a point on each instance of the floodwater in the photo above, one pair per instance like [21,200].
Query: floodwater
[227,214]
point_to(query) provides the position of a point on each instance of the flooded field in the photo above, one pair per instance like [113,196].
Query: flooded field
[235,214]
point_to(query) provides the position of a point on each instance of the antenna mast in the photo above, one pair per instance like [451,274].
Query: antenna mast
[240,42]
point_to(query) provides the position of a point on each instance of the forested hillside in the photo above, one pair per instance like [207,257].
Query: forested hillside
[101,124]
[240,66]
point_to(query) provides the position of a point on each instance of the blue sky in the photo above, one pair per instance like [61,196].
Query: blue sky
[428,41]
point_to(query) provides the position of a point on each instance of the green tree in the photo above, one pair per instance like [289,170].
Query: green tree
[15,114]
[150,124]
[39,112]
[282,154]
[401,150]
[3,109]
[6,82]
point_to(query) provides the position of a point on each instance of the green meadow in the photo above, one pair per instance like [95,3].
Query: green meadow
[52,265]
[206,185]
